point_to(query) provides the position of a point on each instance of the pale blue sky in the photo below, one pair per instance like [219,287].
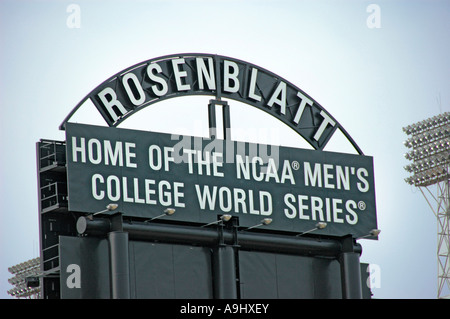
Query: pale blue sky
[374,81]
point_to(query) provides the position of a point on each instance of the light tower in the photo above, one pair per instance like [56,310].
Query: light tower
[429,142]
[26,279]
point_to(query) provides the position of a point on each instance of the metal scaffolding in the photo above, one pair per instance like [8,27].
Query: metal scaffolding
[25,280]
[439,204]
[430,169]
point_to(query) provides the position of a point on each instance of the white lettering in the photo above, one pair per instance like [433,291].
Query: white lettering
[178,194]
[316,208]
[234,199]
[180,74]
[109,188]
[287,173]
[239,200]
[206,195]
[149,192]
[129,78]
[217,163]
[203,72]
[136,192]
[255,169]
[97,195]
[204,161]
[313,178]
[257,177]
[337,210]
[154,153]
[228,75]
[301,107]
[281,88]
[164,87]
[349,206]
[78,149]
[327,176]
[168,158]
[288,199]
[112,105]
[326,120]
[129,155]
[265,203]
[164,194]
[343,179]
[92,153]
[252,88]
[125,190]
[115,156]
[302,207]
[225,202]
[272,171]
[242,167]
[364,185]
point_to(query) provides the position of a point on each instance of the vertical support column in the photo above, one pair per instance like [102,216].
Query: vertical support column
[224,269]
[224,124]
[350,270]
[212,119]
[119,259]
[119,266]
[224,263]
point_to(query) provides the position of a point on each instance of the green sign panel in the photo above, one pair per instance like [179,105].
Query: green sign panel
[146,173]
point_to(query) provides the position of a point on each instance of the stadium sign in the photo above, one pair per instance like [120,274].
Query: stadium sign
[146,172]
[207,194]
[166,77]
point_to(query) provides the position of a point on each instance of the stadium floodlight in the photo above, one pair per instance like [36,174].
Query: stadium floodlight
[430,150]
[265,221]
[429,153]
[167,212]
[223,218]
[24,280]
[319,225]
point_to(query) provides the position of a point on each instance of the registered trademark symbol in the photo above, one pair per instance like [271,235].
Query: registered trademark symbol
[361,205]
[295,165]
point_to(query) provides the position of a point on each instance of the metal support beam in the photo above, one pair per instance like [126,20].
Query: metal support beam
[119,265]
[119,258]
[223,241]
[224,269]
[225,120]
[350,270]
[210,237]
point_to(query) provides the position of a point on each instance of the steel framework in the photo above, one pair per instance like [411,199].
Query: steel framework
[22,273]
[430,169]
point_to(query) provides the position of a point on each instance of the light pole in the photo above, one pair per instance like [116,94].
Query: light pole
[429,141]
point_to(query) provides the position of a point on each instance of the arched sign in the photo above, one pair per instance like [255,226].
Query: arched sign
[170,76]
[146,173]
